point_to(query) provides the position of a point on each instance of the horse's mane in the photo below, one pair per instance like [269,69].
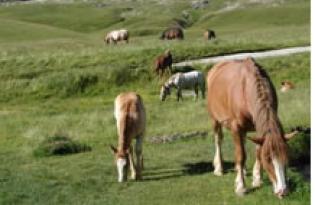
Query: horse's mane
[265,115]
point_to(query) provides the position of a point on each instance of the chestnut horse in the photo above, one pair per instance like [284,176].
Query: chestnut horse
[163,62]
[172,33]
[242,98]
[130,118]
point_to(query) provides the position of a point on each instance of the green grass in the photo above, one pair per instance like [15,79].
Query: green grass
[181,168]
[58,77]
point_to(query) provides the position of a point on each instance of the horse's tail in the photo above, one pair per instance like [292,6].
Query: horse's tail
[266,120]
[125,129]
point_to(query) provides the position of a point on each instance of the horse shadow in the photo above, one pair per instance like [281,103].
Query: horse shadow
[187,169]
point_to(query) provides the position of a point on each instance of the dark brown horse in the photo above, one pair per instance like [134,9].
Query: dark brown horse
[163,62]
[173,33]
[209,34]
[242,98]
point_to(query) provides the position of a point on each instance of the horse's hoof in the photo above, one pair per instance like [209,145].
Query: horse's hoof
[241,191]
[218,173]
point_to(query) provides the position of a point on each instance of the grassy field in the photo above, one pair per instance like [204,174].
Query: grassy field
[58,77]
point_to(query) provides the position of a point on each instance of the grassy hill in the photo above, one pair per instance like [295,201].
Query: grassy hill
[57,76]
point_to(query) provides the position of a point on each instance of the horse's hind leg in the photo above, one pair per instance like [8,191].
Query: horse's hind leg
[132,163]
[139,155]
[203,90]
[179,94]
[196,92]
[217,161]
[257,169]
[240,158]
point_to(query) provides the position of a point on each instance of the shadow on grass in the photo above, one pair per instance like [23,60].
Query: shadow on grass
[188,169]
[204,167]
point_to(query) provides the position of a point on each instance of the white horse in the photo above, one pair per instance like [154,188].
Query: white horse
[190,80]
[117,35]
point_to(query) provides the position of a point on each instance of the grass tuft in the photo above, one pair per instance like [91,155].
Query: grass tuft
[59,144]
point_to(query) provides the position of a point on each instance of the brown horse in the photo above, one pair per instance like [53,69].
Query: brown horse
[242,98]
[172,33]
[130,118]
[163,62]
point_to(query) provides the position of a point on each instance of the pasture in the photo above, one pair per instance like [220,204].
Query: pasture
[57,76]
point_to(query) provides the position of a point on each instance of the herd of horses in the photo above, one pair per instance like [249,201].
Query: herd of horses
[168,34]
[240,97]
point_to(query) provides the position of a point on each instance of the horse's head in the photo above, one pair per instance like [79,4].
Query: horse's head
[122,163]
[165,91]
[274,163]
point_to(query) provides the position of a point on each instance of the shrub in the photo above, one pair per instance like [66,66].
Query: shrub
[59,144]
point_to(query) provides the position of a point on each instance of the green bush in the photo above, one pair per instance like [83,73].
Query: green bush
[59,144]
[300,149]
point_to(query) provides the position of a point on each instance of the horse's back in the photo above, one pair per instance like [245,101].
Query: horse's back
[196,76]
[228,86]
[131,104]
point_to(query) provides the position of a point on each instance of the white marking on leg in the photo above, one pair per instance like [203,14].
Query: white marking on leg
[239,182]
[256,174]
[217,161]
[121,163]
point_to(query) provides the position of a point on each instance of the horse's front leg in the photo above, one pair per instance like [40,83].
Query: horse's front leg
[257,169]
[139,155]
[132,163]
[240,158]
[170,68]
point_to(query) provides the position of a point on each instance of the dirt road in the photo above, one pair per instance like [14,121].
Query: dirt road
[262,54]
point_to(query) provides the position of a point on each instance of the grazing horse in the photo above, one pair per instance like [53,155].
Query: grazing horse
[286,86]
[130,118]
[209,34]
[190,80]
[172,33]
[162,62]
[242,98]
[117,35]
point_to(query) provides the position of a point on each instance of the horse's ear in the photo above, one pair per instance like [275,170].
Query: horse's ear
[290,135]
[114,150]
[257,140]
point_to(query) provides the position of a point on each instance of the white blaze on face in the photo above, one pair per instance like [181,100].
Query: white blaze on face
[121,163]
[280,185]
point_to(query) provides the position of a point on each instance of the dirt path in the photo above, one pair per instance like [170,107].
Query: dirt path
[262,54]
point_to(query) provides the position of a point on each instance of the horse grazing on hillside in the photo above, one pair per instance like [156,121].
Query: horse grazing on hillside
[162,62]
[242,98]
[116,36]
[190,80]
[130,118]
[209,34]
[172,33]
